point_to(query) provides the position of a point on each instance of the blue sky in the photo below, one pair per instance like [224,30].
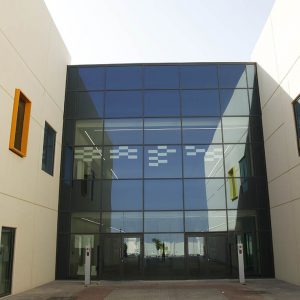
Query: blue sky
[133,31]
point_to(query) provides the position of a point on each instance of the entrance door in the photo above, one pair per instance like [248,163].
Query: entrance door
[6,259]
[207,255]
[121,257]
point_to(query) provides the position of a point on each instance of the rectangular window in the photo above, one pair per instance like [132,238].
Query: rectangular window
[233,184]
[48,149]
[20,124]
[296,105]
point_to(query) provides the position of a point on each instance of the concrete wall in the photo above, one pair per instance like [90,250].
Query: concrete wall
[277,54]
[33,58]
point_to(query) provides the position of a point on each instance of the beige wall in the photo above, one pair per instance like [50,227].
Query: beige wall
[33,58]
[277,54]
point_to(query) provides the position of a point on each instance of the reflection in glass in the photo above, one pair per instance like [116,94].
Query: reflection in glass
[123,131]
[88,132]
[235,129]
[87,163]
[232,76]
[89,104]
[163,194]
[200,103]
[122,222]
[234,102]
[242,220]
[205,221]
[162,162]
[122,195]
[124,77]
[254,102]
[201,130]
[161,103]
[167,221]
[250,75]
[204,193]
[87,222]
[123,104]
[158,131]
[122,162]
[203,161]
[157,77]
[194,77]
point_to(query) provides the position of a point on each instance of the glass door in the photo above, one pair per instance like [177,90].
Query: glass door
[6,260]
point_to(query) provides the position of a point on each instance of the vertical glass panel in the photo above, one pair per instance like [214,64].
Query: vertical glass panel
[201,130]
[251,71]
[70,104]
[87,163]
[164,256]
[79,242]
[123,131]
[89,105]
[236,129]
[161,77]
[163,162]
[86,78]
[205,221]
[163,194]
[159,131]
[68,132]
[232,76]
[132,258]
[122,222]
[204,194]
[243,220]
[88,132]
[123,104]
[123,162]
[87,222]
[166,221]
[237,160]
[67,163]
[19,124]
[203,161]
[161,103]
[256,130]
[254,102]
[194,77]
[124,77]
[122,195]
[200,103]
[234,102]
[258,160]
[48,149]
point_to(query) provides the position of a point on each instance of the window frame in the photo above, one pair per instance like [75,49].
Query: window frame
[51,172]
[20,96]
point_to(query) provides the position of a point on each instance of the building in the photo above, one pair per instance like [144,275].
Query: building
[163,166]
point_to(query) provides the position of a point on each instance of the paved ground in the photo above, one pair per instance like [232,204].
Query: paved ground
[265,289]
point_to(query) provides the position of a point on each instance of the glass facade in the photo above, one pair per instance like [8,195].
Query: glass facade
[162,168]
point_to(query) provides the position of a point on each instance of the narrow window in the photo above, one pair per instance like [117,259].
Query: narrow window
[48,149]
[20,124]
[232,184]
[296,105]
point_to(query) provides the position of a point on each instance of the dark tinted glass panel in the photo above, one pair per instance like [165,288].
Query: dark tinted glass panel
[256,130]
[64,222]
[204,194]
[161,103]
[163,195]
[254,102]
[167,221]
[193,77]
[67,163]
[118,78]
[122,222]
[158,131]
[162,162]
[85,222]
[19,124]
[161,77]
[259,160]
[237,160]
[64,195]
[200,103]
[68,132]
[122,195]
[236,129]
[85,195]
[232,76]
[88,132]
[234,102]
[203,161]
[87,163]
[48,149]
[123,131]
[201,130]
[89,105]
[250,75]
[123,162]
[85,78]
[62,256]
[196,221]
[70,104]
[123,104]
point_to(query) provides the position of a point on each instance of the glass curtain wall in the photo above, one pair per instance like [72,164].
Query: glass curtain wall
[162,167]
